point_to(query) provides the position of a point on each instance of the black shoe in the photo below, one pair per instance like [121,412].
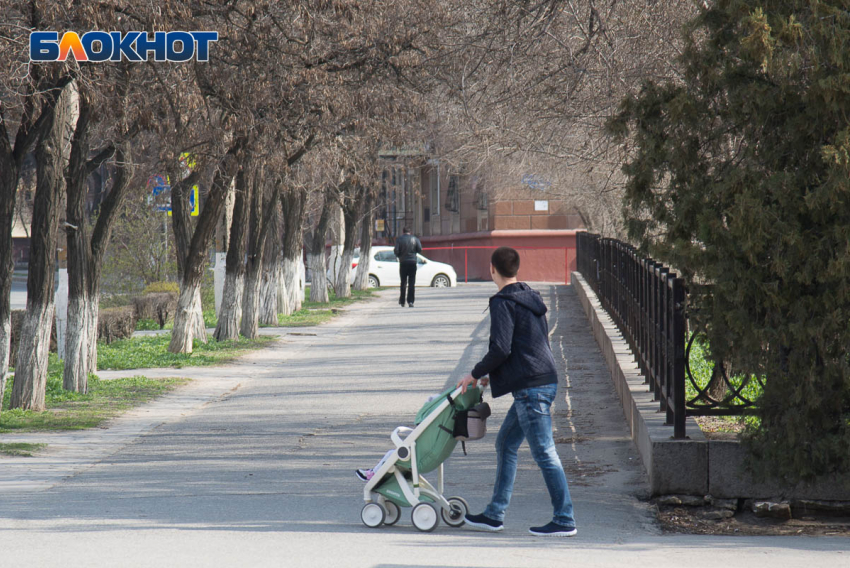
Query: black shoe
[553,529]
[401,304]
[410,305]
[482,523]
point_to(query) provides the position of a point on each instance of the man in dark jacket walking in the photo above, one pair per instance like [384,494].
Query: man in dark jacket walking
[406,248]
[520,362]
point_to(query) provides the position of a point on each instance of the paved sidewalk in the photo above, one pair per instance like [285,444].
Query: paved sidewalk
[264,475]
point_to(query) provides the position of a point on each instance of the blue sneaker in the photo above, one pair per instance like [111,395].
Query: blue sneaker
[482,523]
[553,529]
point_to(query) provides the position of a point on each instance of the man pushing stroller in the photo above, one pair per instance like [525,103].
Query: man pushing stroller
[520,362]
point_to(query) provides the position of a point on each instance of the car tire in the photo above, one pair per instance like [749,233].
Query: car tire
[374,282]
[441,281]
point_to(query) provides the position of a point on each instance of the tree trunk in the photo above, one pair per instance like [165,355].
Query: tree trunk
[183,331]
[293,204]
[361,278]
[262,211]
[193,255]
[231,300]
[8,189]
[85,255]
[75,374]
[94,310]
[316,254]
[251,300]
[227,327]
[199,327]
[319,285]
[351,214]
[292,282]
[272,282]
[77,342]
[11,158]
[28,391]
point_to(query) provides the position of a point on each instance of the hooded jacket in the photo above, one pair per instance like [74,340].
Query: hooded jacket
[519,356]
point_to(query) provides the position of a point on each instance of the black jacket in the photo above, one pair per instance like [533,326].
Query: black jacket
[519,355]
[406,247]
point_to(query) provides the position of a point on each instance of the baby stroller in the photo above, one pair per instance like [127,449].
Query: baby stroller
[399,482]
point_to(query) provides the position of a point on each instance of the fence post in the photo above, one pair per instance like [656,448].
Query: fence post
[680,410]
[465,265]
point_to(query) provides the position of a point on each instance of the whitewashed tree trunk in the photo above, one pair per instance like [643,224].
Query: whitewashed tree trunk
[342,286]
[94,312]
[5,346]
[182,333]
[281,291]
[271,293]
[52,154]
[230,313]
[31,366]
[292,282]
[319,286]
[77,341]
[361,278]
[251,303]
[200,328]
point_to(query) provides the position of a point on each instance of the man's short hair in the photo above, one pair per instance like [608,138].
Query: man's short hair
[405,231]
[506,261]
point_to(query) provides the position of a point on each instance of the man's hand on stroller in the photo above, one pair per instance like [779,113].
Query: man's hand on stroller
[469,380]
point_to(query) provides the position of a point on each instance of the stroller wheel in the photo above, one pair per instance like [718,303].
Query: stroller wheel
[393,513]
[424,517]
[372,515]
[457,515]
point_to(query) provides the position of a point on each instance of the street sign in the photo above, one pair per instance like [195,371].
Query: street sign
[160,187]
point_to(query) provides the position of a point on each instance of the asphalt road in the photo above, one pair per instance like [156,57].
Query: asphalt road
[263,475]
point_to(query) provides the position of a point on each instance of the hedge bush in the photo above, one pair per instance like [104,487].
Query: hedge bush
[158,306]
[116,323]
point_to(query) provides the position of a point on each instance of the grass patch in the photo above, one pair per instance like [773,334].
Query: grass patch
[73,411]
[147,325]
[152,351]
[21,449]
[701,370]
[305,318]
[356,295]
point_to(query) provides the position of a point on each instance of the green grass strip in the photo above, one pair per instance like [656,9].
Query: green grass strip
[152,351]
[20,449]
[73,411]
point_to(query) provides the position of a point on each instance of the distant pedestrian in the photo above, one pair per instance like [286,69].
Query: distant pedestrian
[407,246]
[520,362]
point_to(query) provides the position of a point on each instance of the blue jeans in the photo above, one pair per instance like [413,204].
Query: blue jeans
[529,419]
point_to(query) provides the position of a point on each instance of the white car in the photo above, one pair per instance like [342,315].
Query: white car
[383,270]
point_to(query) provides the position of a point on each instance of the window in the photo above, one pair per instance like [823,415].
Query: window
[401,209]
[481,201]
[453,195]
[385,256]
[435,189]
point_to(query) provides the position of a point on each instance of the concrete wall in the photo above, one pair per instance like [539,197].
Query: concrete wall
[550,263]
[694,466]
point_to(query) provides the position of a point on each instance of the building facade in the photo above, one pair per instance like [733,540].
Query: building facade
[460,222]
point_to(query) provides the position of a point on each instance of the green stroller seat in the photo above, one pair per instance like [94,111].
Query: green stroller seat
[399,482]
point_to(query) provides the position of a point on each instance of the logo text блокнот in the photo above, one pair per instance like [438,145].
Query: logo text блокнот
[113,46]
